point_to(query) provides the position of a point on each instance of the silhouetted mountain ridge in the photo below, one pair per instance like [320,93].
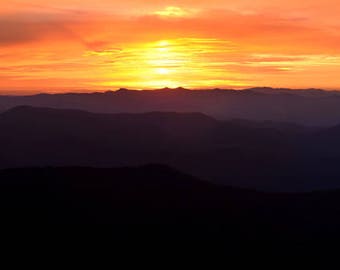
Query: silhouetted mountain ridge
[304,106]
[268,155]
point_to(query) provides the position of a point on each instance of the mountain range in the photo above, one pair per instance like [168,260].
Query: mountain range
[238,173]
[313,107]
[261,155]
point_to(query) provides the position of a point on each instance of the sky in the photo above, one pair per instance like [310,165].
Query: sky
[80,45]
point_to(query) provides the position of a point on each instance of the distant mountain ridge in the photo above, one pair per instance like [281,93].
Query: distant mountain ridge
[313,107]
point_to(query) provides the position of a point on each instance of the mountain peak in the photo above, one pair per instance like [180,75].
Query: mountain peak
[173,89]
[120,90]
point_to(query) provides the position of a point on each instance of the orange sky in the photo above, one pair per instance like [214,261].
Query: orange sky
[63,45]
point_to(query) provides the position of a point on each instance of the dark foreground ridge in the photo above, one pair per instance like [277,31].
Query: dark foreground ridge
[156,201]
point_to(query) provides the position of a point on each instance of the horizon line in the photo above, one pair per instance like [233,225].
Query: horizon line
[103,91]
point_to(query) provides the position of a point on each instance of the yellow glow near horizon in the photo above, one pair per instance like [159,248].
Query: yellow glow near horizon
[162,71]
[170,63]
[162,57]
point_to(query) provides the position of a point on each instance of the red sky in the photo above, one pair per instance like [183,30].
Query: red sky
[63,45]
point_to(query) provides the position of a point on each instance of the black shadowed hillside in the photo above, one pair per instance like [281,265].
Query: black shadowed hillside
[155,200]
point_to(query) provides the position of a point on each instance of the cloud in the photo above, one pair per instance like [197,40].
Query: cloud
[244,42]
[16,29]
[258,32]
[175,12]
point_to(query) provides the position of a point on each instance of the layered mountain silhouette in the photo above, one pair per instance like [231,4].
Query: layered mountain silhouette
[258,188]
[313,107]
[261,155]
